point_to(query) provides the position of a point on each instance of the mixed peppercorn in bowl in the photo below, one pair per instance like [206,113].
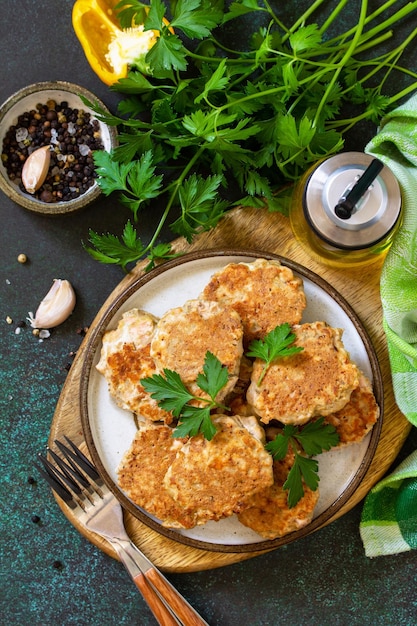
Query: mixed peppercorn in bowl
[48,135]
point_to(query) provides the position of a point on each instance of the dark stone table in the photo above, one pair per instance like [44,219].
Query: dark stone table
[50,575]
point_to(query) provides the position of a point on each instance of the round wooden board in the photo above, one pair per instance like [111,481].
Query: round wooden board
[255,229]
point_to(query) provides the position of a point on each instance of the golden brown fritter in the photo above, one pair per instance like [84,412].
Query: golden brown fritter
[264,293]
[215,478]
[268,512]
[142,470]
[356,419]
[185,334]
[125,359]
[317,381]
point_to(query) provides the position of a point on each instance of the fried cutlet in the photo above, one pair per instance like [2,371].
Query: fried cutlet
[357,418]
[215,478]
[264,293]
[142,470]
[125,359]
[316,381]
[268,512]
[184,335]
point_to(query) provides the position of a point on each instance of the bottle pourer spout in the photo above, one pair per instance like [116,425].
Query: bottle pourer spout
[344,208]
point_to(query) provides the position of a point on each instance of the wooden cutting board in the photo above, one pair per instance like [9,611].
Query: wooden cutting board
[255,229]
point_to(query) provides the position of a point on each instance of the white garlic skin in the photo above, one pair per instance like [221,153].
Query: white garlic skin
[36,168]
[56,307]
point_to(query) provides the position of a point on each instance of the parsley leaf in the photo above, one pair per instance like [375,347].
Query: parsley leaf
[110,249]
[196,18]
[216,82]
[172,395]
[167,54]
[277,343]
[303,468]
[135,179]
[305,38]
[200,210]
[214,376]
[314,438]
[195,420]
[160,252]
[168,390]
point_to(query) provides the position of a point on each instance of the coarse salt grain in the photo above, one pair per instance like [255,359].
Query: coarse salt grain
[84,150]
[21,134]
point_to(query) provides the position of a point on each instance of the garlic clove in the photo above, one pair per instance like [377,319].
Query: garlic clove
[56,307]
[36,168]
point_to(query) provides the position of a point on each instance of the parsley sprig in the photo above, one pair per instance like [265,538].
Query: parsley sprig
[313,438]
[277,343]
[210,119]
[172,395]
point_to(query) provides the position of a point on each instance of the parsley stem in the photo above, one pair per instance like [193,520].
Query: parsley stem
[302,19]
[274,16]
[174,187]
[333,15]
[344,60]
[387,23]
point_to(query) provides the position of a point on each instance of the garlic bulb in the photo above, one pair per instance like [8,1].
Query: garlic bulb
[36,168]
[56,307]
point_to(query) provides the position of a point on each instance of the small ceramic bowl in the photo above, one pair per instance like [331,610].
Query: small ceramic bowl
[26,100]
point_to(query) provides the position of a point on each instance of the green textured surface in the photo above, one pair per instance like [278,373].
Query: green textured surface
[323,580]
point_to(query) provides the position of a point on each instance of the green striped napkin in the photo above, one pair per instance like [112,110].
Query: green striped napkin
[389,517]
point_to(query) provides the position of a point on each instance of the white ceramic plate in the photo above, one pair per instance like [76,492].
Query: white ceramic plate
[109,430]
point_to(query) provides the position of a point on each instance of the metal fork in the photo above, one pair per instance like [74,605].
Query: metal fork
[78,483]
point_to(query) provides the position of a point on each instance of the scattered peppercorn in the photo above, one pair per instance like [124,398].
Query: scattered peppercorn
[57,565]
[73,134]
[35,519]
[21,324]
[31,480]
[22,258]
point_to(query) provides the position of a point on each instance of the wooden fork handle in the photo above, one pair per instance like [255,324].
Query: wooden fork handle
[157,605]
[166,603]
[163,616]
[185,612]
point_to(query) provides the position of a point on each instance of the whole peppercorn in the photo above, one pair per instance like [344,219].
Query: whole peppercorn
[70,132]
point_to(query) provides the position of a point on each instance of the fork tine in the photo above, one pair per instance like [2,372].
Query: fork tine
[79,458]
[54,482]
[70,473]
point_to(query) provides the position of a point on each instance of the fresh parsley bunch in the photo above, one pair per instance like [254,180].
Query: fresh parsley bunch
[210,119]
